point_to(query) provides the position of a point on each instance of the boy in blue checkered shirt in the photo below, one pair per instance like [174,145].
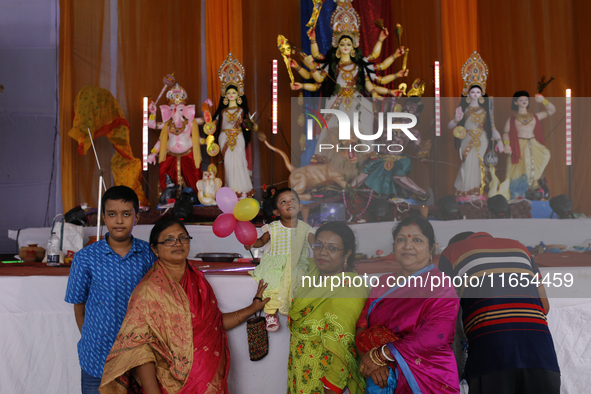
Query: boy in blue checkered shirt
[102,278]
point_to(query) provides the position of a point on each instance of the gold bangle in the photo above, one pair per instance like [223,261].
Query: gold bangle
[375,358]
[545,102]
[379,356]
[506,142]
[313,41]
[298,68]
[238,317]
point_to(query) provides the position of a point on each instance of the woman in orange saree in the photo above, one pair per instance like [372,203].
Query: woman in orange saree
[173,338]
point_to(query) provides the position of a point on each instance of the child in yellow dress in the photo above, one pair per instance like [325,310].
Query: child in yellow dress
[286,255]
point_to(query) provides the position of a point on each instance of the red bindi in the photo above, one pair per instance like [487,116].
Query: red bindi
[408,235]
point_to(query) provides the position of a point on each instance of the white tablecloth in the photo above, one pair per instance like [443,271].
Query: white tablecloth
[39,335]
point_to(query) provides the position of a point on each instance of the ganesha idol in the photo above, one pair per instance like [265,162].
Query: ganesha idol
[181,157]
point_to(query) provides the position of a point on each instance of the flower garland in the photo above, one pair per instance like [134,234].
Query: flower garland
[364,209]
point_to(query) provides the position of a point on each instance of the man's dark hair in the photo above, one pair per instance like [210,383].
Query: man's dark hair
[121,193]
[460,237]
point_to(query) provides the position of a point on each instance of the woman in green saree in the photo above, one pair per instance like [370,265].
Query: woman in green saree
[322,354]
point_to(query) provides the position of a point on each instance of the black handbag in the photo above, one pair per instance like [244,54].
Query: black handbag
[258,338]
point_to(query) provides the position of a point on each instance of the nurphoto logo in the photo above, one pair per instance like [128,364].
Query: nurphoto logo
[392,124]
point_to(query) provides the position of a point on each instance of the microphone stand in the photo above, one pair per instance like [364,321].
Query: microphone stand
[100,186]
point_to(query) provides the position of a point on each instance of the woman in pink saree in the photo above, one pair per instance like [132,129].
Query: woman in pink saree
[173,338]
[406,329]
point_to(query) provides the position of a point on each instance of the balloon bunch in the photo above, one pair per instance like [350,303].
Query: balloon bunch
[236,216]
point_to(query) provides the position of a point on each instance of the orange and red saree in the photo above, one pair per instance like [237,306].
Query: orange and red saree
[179,328]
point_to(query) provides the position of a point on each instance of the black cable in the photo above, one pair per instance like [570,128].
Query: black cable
[46,221]
[56,126]
[550,133]
[263,110]
[285,139]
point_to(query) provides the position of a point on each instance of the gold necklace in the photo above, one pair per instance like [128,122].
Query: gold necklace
[347,74]
[524,118]
[477,115]
[231,116]
[176,131]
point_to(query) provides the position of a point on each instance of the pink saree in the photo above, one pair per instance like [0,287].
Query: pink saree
[179,328]
[425,321]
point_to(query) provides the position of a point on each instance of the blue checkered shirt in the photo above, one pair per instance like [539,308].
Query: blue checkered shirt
[104,281]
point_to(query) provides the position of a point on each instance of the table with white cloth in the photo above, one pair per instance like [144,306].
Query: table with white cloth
[39,337]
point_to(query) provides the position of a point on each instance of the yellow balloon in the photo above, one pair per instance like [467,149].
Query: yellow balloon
[246,209]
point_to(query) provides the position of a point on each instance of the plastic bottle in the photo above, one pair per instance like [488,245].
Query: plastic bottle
[53,250]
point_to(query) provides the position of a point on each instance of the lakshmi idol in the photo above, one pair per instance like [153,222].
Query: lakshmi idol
[473,128]
[234,138]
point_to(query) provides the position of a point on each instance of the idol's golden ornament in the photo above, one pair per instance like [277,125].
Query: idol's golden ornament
[460,132]
[231,72]
[474,73]
[417,89]
[314,17]
[345,22]
[285,49]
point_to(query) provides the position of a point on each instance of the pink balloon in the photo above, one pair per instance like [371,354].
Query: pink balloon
[246,233]
[224,225]
[226,199]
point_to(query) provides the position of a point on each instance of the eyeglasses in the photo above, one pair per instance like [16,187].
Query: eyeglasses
[330,248]
[172,241]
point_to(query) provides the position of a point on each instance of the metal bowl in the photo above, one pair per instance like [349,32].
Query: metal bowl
[218,257]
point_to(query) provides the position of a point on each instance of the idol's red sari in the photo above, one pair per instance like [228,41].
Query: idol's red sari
[179,328]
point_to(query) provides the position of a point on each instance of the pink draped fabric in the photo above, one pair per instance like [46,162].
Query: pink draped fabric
[426,323]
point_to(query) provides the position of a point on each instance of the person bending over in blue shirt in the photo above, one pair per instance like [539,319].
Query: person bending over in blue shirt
[101,280]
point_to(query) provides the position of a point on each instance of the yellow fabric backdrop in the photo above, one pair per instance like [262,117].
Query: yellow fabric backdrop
[80,57]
